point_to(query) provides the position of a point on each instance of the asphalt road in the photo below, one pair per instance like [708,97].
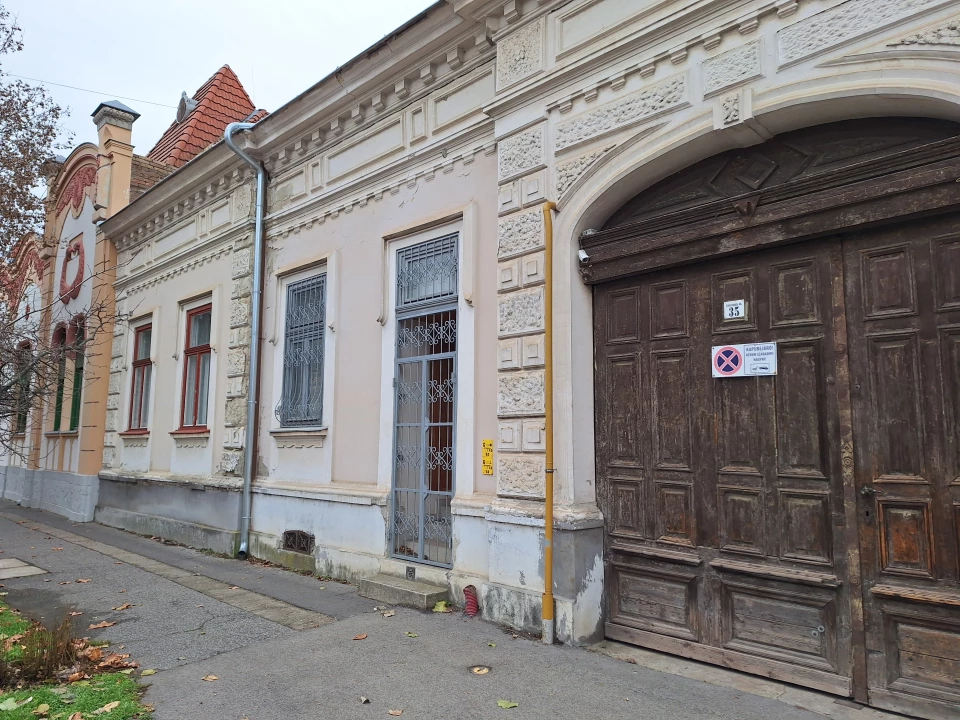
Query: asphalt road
[416,662]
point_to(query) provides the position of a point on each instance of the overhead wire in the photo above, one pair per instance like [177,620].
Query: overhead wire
[95,92]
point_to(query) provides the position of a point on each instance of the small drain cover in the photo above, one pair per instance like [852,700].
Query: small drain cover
[479,669]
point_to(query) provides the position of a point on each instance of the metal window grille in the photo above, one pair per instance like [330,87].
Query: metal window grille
[298,541]
[301,401]
[427,272]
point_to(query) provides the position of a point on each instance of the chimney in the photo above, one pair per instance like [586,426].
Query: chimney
[114,122]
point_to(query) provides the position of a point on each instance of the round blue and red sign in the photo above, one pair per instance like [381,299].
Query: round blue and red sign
[728,360]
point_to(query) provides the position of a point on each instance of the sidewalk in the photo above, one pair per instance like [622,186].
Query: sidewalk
[282,644]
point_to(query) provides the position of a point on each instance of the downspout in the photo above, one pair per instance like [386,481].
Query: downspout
[548,602]
[253,378]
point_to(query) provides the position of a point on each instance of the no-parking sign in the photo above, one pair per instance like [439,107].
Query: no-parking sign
[747,360]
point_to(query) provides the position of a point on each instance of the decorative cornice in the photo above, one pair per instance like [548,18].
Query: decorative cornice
[183,266]
[947,33]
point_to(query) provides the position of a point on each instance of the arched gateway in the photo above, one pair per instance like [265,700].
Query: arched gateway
[801,525]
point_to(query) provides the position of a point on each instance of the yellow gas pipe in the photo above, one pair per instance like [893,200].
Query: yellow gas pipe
[548,602]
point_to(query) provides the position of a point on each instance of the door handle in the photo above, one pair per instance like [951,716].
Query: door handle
[869,491]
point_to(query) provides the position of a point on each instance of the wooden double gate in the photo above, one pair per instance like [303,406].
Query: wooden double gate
[804,525]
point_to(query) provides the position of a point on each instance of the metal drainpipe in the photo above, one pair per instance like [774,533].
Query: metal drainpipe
[253,382]
[547,609]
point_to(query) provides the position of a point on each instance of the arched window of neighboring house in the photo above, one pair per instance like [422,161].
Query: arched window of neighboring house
[24,372]
[59,344]
[76,339]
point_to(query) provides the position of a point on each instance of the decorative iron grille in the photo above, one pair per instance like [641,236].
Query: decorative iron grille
[427,272]
[301,401]
[299,541]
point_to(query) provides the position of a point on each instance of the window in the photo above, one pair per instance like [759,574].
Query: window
[142,375]
[59,343]
[79,343]
[301,400]
[196,369]
[24,371]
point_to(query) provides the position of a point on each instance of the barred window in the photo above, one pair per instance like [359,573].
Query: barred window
[427,272]
[301,401]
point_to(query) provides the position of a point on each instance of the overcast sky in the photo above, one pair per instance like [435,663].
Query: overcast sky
[152,51]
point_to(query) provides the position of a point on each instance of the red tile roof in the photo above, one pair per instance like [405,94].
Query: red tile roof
[220,101]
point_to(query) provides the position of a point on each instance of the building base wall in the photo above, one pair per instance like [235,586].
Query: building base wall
[197,515]
[68,494]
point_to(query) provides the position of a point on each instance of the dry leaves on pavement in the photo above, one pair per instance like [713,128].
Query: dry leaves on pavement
[93,654]
[361,637]
[125,606]
[83,580]
[107,708]
[116,662]
[104,624]
[74,613]
[395,713]
[76,716]
[210,678]
[390,613]
[77,677]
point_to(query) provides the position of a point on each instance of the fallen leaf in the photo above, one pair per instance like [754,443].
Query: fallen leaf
[93,654]
[234,587]
[395,713]
[104,624]
[117,661]
[125,606]
[83,580]
[210,678]
[491,644]
[77,677]
[361,637]
[67,582]
[364,701]
[76,716]
[107,708]
[442,606]
[41,709]
[127,671]
[118,563]
[75,614]
[9,704]
[506,704]
[390,613]
[146,673]
[56,549]
[410,634]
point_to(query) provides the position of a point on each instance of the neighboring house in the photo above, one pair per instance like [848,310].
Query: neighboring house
[726,176]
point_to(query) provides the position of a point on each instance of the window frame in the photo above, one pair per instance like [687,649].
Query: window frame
[197,351]
[22,416]
[60,342]
[76,394]
[312,275]
[143,422]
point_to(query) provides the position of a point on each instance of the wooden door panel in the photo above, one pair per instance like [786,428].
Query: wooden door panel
[903,322]
[721,496]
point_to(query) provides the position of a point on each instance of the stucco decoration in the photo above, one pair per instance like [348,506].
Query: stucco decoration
[241,203]
[520,55]
[15,276]
[569,171]
[731,68]
[236,361]
[520,393]
[520,153]
[731,109]
[520,233]
[70,288]
[840,24]
[521,476]
[667,95]
[521,312]
[946,34]
[74,191]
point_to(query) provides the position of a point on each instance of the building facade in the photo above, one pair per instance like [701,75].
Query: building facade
[725,175]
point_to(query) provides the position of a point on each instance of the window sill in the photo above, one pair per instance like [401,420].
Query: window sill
[191,432]
[299,437]
[191,437]
[134,433]
[61,434]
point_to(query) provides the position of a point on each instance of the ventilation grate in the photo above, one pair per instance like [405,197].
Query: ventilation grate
[298,541]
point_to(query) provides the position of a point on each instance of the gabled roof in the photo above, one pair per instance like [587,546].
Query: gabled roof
[220,101]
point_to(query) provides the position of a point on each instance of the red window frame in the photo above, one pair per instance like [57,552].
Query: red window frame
[199,351]
[136,410]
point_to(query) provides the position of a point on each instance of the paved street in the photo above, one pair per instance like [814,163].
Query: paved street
[282,644]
